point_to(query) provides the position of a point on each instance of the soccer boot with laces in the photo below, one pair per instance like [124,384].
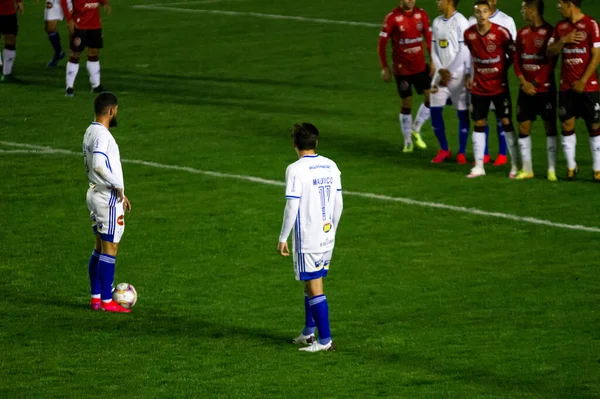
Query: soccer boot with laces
[317,347]
[522,175]
[95,304]
[408,147]
[442,155]
[551,175]
[476,172]
[419,141]
[572,173]
[461,159]
[113,307]
[304,339]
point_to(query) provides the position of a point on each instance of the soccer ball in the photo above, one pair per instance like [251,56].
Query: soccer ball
[125,295]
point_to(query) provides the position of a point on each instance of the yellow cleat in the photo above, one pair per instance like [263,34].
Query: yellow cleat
[408,147]
[572,173]
[552,176]
[522,175]
[597,175]
[419,141]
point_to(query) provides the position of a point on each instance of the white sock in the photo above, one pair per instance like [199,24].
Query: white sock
[9,60]
[422,116]
[406,126]
[0,60]
[511,144]
[93,68]
[595,147]
[525,147]
[479,148]
[569,143]
[551,144]
[72,70]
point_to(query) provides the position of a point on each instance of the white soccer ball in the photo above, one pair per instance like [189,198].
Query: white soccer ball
[125,295]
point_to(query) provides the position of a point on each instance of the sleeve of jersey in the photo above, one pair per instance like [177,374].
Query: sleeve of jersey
[337,209]
[427,30]
[468,60]
[509,48]
[65,7]
[516,56]
[289,218]
[293,187]
[101,164]
[595,34]
[384,36]
[462,58]
[512,29]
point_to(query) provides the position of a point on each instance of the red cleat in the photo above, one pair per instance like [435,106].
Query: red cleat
[461,159]
[441,156]
[95,304]
[114,307]
[501,160]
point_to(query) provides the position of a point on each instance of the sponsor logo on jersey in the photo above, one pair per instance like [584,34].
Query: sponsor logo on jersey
[120,220]
[399,18]
[443,43]
[418,15]
[581,25]
[539,42]
[472,36]
[91,5]
[491,47]
[327,227]
[542,31]
[492,36]
[420,26]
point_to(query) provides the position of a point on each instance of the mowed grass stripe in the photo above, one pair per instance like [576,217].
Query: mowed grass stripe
[23,148]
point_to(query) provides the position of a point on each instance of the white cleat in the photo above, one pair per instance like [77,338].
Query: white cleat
[304,339]
[317,347]
[514,171]
[476,172]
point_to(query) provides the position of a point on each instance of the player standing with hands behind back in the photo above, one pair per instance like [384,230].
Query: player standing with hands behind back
[314,208]
[406,26]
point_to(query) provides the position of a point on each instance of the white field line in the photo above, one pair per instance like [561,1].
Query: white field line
[184,3]
[257,15]
[22,148]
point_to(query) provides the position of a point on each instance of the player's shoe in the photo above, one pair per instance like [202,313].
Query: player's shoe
[461,159]
[98,89]
[55,58]
[408,147]
[419,140]
[597,175]
[95,304]
[69,92]
[501,160]
[476,172]
[552,175]
[442,156]
[317,347]
[572,173]
[522,175]
[113,307]
[7,79]
[513,172]
[304,339]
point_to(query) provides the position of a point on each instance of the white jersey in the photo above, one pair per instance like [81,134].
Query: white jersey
[447,40]
[502,19]
[101,157]
[315,181]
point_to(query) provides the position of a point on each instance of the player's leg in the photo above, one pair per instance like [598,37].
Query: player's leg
[591,115]
[502,142]
[10,50]
[94,274]
[307,336]
[77,45]
[404,86]
[548,112]
[459,100]
[93,67]
[422,83]
[438,101]
[503,106]
[51,27]
[566,100]
[480,106]
[526,114]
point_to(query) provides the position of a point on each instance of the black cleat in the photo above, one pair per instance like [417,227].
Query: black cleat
[69,92]
[98,89]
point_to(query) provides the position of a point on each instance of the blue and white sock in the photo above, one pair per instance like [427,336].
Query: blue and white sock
[93,272]
[439,128]
[55,41]
[463,131]
[320,311]
[309,321]
[107,276]
[501,138]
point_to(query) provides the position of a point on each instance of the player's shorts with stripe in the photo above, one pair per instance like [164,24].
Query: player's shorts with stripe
[420,80]
[456,92]
[82,38]
[481,105]
[9,24]
[53,11]
[311,266]
[106,213]
[542,104]
[579,105]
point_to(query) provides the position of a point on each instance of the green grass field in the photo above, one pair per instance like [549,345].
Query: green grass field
[425,302]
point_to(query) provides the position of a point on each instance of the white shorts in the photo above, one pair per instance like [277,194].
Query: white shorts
[106,214]
[54,12]
[455,91]
[311,266]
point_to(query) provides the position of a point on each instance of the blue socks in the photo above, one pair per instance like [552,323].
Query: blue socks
[94,273]
[439,128]
[501,138]
[106,267]
[55,40]
[463,131]
[320,312]
[309,322]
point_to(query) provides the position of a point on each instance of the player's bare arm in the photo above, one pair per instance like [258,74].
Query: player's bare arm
[468,82]
[106,8]
[579,85]
[20,8]
[555,48]
[527,87]
[386,75]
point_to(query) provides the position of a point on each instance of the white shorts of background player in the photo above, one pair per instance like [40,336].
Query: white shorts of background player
[456,91]
[106,213]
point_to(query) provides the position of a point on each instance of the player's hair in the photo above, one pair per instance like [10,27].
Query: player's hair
[539,4]
[482,3]
[576,3]
[103,102]
[305,136]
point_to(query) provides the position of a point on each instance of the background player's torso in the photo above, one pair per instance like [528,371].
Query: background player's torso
[98,139]
[447,34]
[406,32]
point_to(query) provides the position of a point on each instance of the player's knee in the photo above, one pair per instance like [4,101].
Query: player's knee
[566,132]
[594,130]
[74,59]
[10,40]
[507,126]
[93,58]
[479,127]
[524,130]
[10,46]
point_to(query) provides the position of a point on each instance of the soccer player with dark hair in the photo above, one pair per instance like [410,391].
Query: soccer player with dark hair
[492,51]
[407,25]
[86,31]
[537,96]
[106,201]
[9,28]
[577,39]
[313,210]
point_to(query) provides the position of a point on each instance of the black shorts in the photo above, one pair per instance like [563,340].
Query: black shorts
[9,24]
[480,106]
[579,105]
[542,104]
[420,80]
[80,39]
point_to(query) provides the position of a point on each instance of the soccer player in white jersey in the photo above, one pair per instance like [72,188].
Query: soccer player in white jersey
[450,57]
[313,211]
[52,15]
[507,22]
[106,201]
